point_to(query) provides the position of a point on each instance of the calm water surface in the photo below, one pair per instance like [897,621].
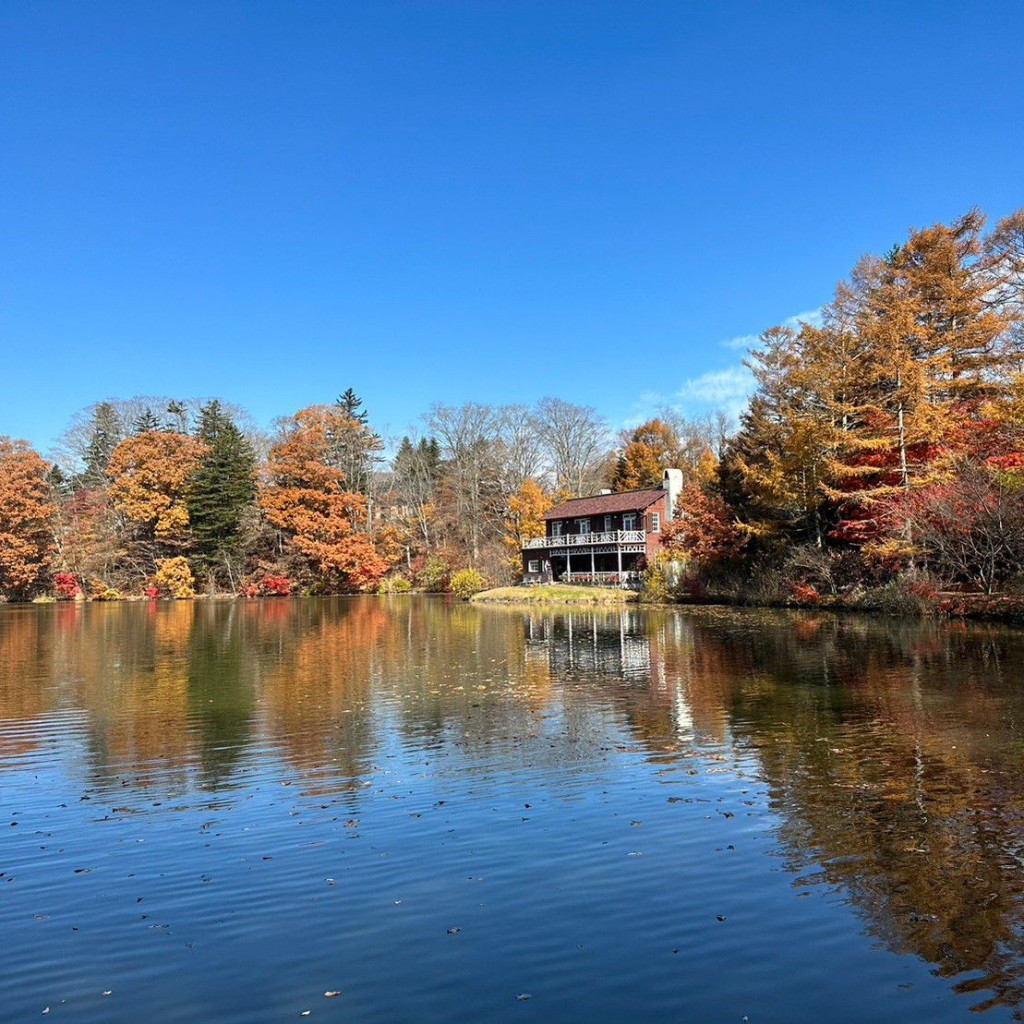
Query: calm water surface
[222,812]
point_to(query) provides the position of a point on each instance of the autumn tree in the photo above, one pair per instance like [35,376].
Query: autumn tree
[970,529]
[649,450]
[306,498]
[780,457]
[26,520]
[706,530]
[150,476]
[932,359]
[525,517]
[87,537]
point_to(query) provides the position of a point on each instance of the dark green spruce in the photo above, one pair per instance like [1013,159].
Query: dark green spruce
[223,489]
[105,437]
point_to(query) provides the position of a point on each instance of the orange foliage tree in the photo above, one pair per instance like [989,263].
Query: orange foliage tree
[305,497]
[652,448]
[706,530]
[26,519]
[150,475]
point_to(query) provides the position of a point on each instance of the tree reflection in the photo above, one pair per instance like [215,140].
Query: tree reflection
[891,750]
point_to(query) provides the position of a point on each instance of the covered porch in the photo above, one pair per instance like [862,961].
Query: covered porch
[594,566]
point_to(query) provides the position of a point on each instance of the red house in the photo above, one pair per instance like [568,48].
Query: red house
[607,538]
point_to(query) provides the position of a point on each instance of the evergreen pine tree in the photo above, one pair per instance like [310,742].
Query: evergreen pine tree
[352,404]
[106,434]
[177,417]
[223,487]
[354,447]
[145,422]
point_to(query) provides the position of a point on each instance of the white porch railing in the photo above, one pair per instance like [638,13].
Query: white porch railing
[575,540]
[602,579]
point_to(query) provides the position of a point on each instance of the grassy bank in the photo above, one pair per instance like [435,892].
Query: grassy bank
[556,594]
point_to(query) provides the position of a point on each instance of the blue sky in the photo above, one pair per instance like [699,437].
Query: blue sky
[454,201]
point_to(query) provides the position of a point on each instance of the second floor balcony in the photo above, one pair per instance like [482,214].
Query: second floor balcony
[574,540]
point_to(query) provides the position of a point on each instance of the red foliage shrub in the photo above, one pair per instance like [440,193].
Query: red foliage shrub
[269,586]
[804,593]
[66,586]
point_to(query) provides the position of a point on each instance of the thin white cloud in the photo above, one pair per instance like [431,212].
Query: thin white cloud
[717,386]
[726,390]
[749,341]
[742,341]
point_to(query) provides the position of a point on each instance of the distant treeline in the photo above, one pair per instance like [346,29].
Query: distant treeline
[151,496]
[883,448]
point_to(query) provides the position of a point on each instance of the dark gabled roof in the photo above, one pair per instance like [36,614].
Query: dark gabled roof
[605,504]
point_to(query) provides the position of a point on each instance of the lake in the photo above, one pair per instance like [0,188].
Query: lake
[412,809]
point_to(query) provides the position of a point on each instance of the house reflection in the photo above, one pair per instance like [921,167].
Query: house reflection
[643,653]
[608,644]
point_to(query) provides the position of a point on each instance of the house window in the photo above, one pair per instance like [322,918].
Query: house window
[607,524]
[629,521]
[533,565]
[556,528]
[655,522]
[583,525]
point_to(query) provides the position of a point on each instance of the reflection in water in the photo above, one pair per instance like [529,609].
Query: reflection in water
[890,752]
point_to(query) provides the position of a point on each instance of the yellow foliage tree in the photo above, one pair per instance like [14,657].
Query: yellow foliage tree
[525,517]
[150,475]
[652,448]
[174,577]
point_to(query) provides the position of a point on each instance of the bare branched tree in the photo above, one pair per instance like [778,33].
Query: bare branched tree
[576,440]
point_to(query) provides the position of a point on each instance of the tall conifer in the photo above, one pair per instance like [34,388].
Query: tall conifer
[223,487]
